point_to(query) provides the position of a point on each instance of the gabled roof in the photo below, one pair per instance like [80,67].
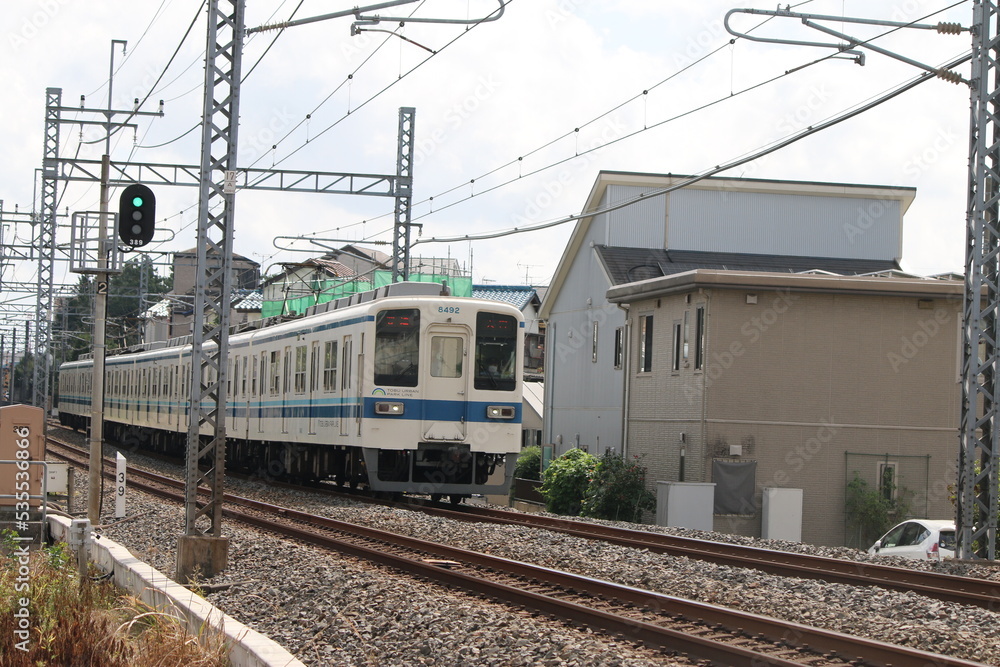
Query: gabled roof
[629,265]
[518,296]
[370,254]
[658,182]
[247,300]
[194,251]
[332,268]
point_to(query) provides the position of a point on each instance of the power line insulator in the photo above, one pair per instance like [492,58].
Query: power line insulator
[948,75]
[949,28]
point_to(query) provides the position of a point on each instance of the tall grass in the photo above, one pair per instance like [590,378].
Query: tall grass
[90,623]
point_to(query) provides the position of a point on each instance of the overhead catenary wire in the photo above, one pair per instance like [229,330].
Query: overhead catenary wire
[380,92]
[812,129]
[555,163]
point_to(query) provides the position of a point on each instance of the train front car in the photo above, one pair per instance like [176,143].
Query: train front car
[443,415]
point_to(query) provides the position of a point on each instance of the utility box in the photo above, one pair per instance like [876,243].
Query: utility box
[685,504]
[781,514]
[22,450]
[58,472]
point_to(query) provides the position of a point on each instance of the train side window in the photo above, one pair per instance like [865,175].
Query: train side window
[301,361]
[397,347]
[330,366]
[496,352]
[446,356]
[275,373]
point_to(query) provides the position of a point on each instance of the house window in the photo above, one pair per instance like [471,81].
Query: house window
[887,479]
[593,345]
[687,330]
[675,364]
[699,338]
[619,347]
[645,343]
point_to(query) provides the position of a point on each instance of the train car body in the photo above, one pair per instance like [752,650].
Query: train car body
[400,389]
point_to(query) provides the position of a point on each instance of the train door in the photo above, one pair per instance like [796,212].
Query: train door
[233,392]
[262,393]
[245,394]
[347,398]
[445,391]
[286,389]
[359,389]
[314,356]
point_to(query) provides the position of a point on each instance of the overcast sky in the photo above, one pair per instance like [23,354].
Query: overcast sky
[514,118]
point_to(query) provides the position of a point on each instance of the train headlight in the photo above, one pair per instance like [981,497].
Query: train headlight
[388,408]
[500,412]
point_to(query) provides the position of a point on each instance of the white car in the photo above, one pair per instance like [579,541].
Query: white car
[924,539]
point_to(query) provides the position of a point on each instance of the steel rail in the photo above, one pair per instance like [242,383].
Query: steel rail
[945,587]
[792,634]
[950,588]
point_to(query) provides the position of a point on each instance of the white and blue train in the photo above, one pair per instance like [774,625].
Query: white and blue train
[400,389]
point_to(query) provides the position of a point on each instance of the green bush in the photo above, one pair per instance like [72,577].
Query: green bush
[871,511]
[618,490]
[565,481]
[529,463]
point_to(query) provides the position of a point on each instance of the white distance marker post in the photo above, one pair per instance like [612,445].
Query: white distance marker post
[119,486]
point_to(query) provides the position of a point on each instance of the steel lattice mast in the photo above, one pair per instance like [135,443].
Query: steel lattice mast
[977,460]
[45,245]
[214,245]
[404,188]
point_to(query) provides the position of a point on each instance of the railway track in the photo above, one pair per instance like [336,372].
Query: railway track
[673,625]
[945,587]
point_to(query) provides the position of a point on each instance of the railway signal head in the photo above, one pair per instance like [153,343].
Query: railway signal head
[136,215]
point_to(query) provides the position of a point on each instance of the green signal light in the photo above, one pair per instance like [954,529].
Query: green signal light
[136,201]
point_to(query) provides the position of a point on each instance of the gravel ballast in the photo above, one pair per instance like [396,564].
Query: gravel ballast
[328,609]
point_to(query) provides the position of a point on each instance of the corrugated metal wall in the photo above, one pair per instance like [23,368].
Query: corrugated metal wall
[641,225]
[767,223]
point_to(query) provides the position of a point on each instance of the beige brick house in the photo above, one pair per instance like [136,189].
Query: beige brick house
[794,380]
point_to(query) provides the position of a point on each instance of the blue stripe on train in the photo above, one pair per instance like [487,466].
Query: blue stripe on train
[413,409]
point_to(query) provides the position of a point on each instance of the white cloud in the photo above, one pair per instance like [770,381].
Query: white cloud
[500,92]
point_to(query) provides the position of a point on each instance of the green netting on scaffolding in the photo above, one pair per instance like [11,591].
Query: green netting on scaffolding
[324,290]
[460,285]
[328,290]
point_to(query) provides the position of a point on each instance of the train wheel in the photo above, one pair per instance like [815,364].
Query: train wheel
[436,497]
[457,498]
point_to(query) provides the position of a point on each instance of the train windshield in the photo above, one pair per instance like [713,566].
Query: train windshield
[397,335]
[496,352]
